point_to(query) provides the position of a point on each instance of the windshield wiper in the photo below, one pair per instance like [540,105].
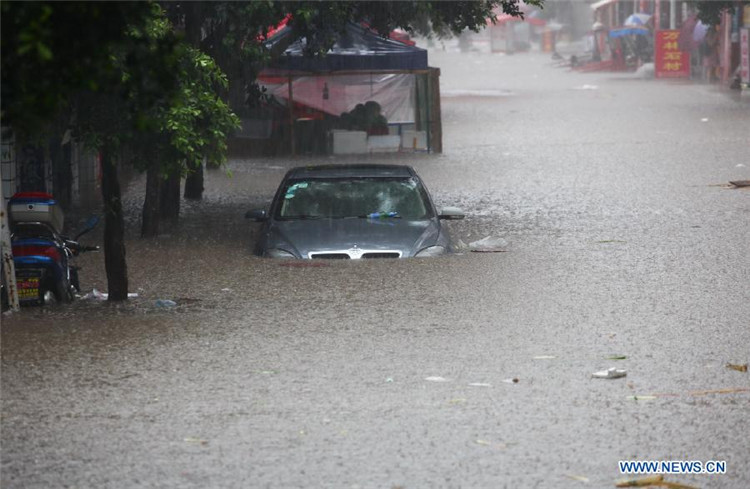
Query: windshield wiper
[301,217]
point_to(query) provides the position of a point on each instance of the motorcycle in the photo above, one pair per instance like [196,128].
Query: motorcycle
[41,255]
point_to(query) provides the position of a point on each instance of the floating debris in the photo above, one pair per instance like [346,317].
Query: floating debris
[102,296]
[719,391]
[196,441]
[578,478]
[654,480]
[610,373]
[739,368]
[730,390]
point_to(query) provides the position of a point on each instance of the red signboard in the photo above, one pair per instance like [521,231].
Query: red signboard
[669,61]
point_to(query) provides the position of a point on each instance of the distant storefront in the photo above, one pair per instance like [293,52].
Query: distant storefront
[367,94]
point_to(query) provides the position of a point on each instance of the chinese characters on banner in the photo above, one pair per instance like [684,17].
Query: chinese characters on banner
[745,55]
[669,61]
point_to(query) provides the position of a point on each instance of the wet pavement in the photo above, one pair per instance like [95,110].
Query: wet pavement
[623,239]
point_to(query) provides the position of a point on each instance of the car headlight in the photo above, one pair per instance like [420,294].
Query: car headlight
[277,253]
[430,251]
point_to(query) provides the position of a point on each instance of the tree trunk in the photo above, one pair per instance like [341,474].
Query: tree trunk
[193,23]
[150,216]
[114,229]
[194,184]
[169,205]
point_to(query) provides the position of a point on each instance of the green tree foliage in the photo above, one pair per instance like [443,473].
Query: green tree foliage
[167,110]
[185,123]
[320,22]
[199,121]
[128,80]
[51,50]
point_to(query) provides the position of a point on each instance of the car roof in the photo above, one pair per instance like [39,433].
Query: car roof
[359,170]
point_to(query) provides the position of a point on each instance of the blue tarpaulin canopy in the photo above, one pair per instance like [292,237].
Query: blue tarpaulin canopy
[356,49]
[625,31]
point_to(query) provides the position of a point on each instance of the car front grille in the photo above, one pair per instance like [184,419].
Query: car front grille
[353,254]
[382,255]
[330,256]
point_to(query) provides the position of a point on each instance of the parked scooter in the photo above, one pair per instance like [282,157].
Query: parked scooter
[42,256]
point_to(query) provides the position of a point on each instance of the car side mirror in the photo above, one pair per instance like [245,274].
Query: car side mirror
[451,213]
[257,215]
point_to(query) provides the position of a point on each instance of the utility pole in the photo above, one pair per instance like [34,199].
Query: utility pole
[9,268]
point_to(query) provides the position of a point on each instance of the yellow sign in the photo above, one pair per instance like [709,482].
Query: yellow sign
[28,288]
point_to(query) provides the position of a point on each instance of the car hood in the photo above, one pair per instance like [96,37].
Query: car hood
[327,235]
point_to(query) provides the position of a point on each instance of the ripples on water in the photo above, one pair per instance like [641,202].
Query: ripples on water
[205,263]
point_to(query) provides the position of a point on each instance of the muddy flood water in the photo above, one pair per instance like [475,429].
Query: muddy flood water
[625,248]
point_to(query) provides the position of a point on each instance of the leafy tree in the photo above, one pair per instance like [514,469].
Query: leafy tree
[193,127]
[121,111]
[73,54]
[51,50]
[228,32]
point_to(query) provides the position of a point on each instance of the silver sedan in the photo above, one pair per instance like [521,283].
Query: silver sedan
[352,212]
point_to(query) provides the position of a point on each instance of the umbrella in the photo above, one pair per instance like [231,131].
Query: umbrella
[627,31]
[637,19]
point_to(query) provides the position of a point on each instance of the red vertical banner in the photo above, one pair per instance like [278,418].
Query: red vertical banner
[669,61]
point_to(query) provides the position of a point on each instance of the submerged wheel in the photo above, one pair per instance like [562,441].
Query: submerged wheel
[55,292]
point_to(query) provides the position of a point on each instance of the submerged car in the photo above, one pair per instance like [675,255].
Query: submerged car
[352,212]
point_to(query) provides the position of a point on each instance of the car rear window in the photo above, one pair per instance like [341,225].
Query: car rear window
[339,198]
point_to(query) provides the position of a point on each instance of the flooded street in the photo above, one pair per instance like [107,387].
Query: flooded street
[623,240]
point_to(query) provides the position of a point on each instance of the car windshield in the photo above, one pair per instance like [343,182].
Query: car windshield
[339,198]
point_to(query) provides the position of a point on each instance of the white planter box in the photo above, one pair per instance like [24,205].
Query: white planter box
[383,144]
[349,142]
